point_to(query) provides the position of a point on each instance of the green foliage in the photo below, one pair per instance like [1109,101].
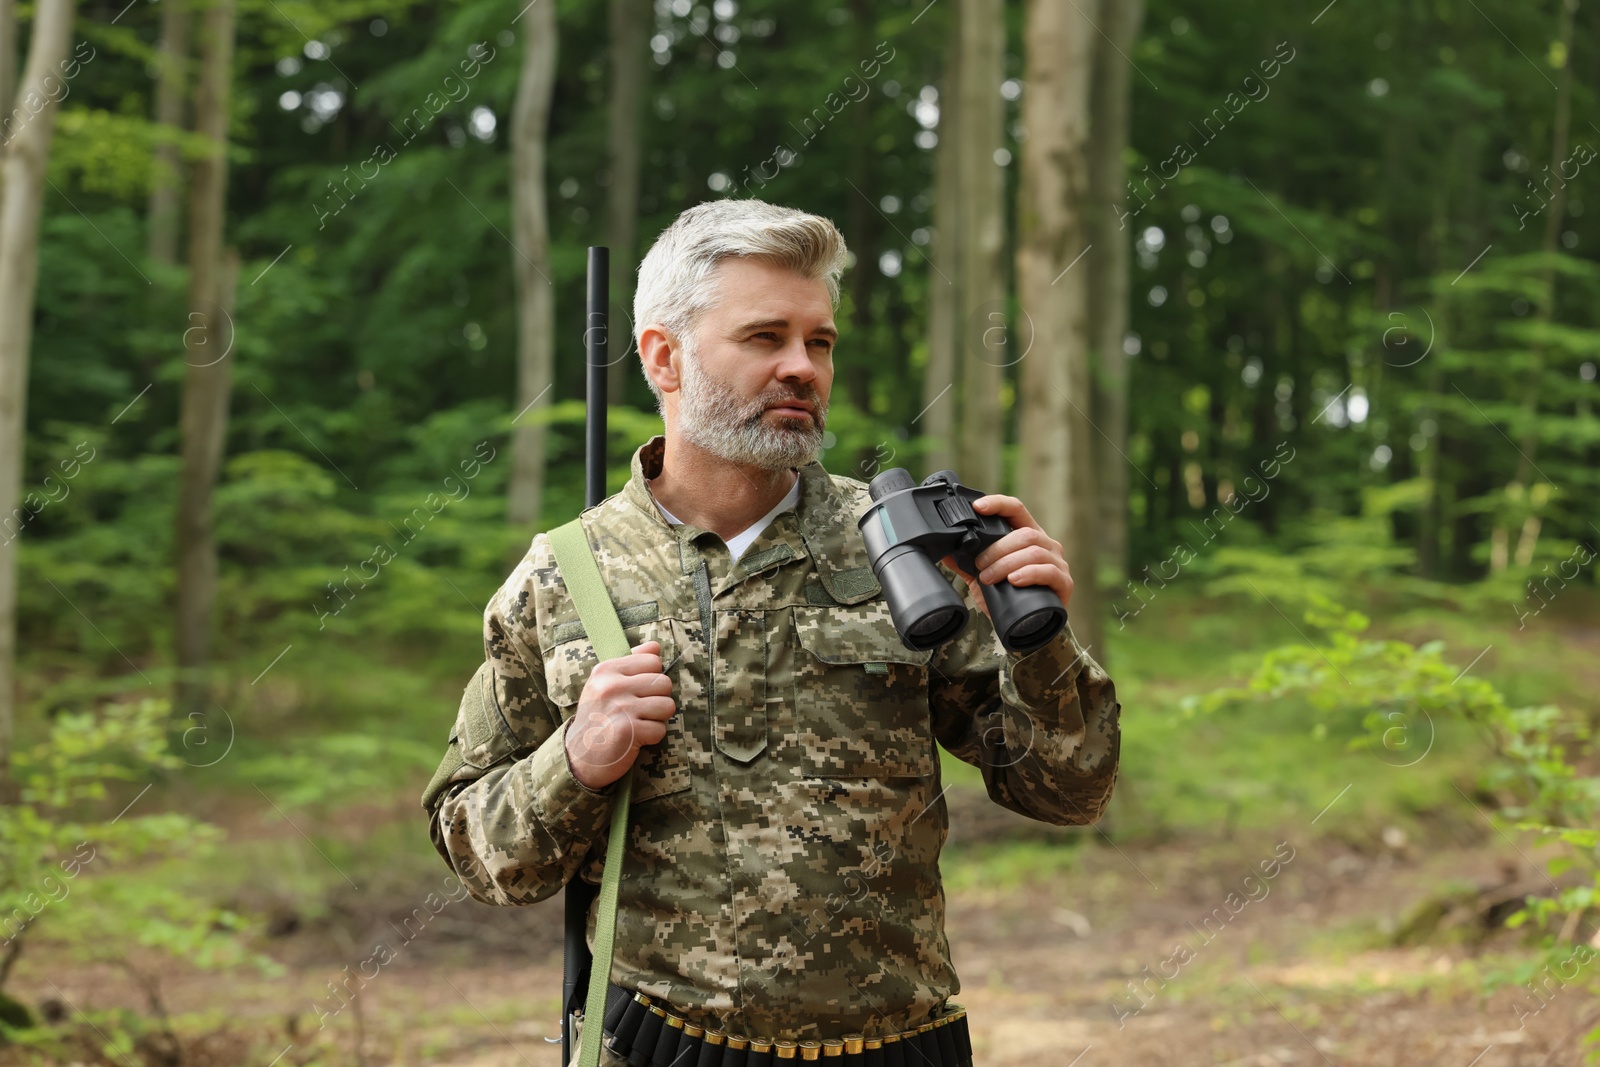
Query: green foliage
[112,154]
[1401,691]
[333,768]
[376,347]
[92,884]
[1325,550]
[1353,234]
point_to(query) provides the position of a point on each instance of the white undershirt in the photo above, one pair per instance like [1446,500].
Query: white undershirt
[742,541]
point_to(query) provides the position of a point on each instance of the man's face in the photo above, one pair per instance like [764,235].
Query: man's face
[767,343]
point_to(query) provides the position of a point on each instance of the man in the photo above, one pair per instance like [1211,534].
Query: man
[782,878]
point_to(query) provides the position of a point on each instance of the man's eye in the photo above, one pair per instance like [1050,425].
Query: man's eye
[826,344]
[767,335]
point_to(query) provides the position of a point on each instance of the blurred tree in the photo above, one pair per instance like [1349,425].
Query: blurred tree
[1305,200]
[535,289]
[864,226]
[208,371]
[1108,279]
[23,162]
[630,26]
[8,56]
[981,317]
[1522,486]
[166,176]
[940,398]
[1056,473]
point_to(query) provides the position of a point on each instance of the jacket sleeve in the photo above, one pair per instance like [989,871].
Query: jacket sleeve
[504,809]
[1041,726]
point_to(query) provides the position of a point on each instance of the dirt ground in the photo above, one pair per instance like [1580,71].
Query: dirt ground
[1136,957]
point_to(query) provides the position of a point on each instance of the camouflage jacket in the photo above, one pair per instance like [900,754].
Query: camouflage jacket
[782,875]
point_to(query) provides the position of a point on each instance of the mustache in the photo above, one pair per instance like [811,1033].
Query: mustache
[809,396]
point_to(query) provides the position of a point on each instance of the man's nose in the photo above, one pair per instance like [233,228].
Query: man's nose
[795,362]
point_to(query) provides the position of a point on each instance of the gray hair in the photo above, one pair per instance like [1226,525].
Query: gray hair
[675,286]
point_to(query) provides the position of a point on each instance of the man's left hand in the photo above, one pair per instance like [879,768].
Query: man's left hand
[1025,556]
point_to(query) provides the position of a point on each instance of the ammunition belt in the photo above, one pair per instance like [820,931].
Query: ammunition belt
[647,1034]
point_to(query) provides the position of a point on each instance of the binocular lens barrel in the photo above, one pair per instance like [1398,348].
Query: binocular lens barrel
[1025,617]
[926,609]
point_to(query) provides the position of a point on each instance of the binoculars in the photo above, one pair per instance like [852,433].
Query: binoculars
[910,527]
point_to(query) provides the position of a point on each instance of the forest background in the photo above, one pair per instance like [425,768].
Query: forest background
[1280,316]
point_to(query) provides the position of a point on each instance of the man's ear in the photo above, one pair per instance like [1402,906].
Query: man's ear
[657,346]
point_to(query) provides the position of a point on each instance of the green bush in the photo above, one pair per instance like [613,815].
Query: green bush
[93,886]
[1536,779]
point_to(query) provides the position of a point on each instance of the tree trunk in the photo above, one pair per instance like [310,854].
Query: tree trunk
[1431,513]
[940,399]
[1521,489]
[8,57]
[865,234]
[203,419]
[630,21]
[982,329]
[531,235]
[22,163]
[1108,281]
[166,179]
[1056,463]
[864,227]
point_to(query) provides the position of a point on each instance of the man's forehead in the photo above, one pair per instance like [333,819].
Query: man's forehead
[754,291]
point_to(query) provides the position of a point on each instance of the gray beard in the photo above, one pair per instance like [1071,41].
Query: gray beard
[712,417]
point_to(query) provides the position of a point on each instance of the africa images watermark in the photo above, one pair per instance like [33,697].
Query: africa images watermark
[1561,575]
[1183,154]
[1580,156]
[33,503]
[1540,986]
[423,116]
[819,117]
[54,90]
[383,554]
[819,920]
[343,991]
[1185,553]
[1143,991]
[55,890]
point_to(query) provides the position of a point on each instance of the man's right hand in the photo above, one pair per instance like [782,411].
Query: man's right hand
[624,706]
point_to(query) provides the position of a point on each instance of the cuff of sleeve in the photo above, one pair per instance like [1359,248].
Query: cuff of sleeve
[1044,677]
[565,806]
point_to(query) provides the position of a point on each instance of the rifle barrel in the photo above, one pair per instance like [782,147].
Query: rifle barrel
[576,958]
[596,326]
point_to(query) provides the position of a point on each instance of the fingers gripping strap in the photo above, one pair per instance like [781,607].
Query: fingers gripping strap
[576,561]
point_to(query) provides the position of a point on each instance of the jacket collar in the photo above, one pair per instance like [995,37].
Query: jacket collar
[821,525]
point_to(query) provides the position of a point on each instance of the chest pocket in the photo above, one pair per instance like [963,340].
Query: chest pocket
[662,768]
[861,696]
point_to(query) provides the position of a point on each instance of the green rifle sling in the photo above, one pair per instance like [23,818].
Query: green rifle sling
[575,558]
